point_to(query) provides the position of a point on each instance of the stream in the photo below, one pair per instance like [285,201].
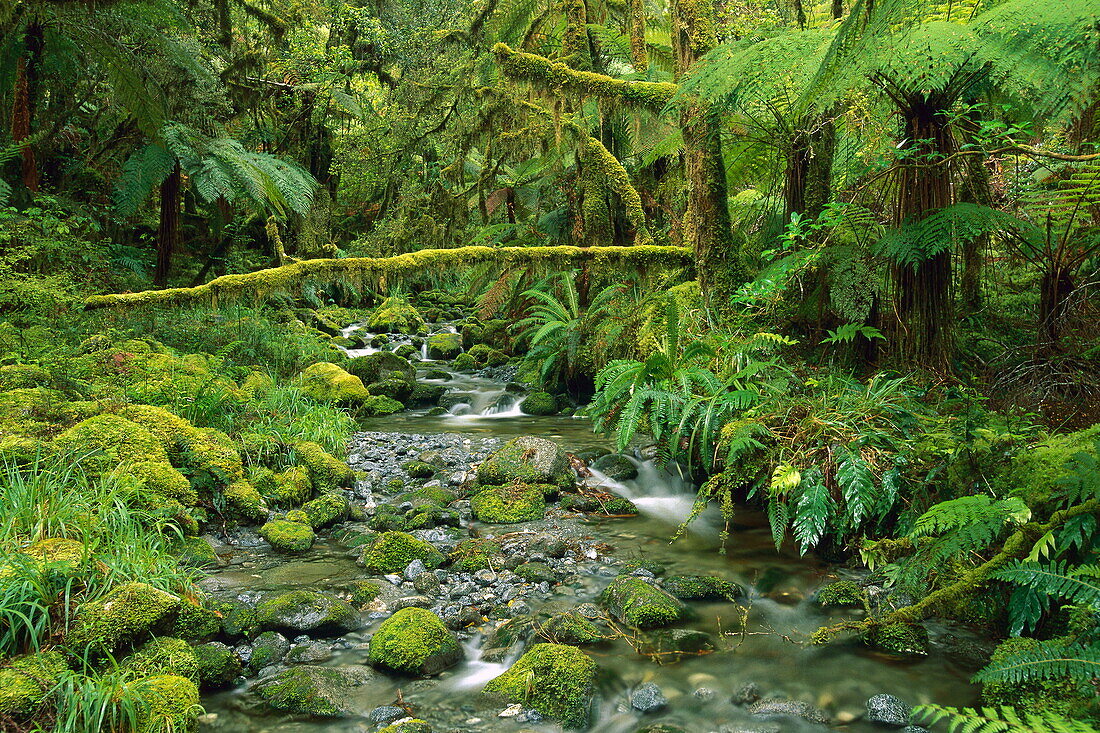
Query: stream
[761,639]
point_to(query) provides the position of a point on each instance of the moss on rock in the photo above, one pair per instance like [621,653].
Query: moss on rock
[539,403]
[444,346]
[126,615]
[218,666]
[414,641]
[306,611]
[169,703]
[555,679]
[408,725]
[244,502]
[844,593]
[380,406]
[161,656]
[529,460]
[476,554]
[363,592]
[290,488]
[418,469]
[26,682]
[380,366]
[901,639]
[509,504]
[395,315]
[325,471]
[325,510]
[570,628]
[464,363]
[111,440]
[195,621]
[323,692]
[640,604]
[391,552]
[287,536]
[328,383]
[702,588]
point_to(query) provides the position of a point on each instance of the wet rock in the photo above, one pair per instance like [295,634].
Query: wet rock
[899,639]
[570,628]
[648,698]
[640,604]
[616,467]
[218,665]
[311,652]
[386,714]
[556,680]
[536,572]
[269,648]
[414,641]
[527,459]
[702,588]
[411,602]
[427,584]
[414,569]
[747,694]
[888,710]
[842,593]
[777,706]
[323,692]
[303,611]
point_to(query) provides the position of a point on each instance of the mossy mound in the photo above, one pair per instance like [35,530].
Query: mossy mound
[702,588]
[476,554]
[395,315]
[418,469]
[290,488]
[415,642]
[1036,473]
[530,460]
[325,471]
[323,692]
[555,679]
[161,656]
[900,639]
[380,366]
[464,363]
[195,621]
[325,510]
[391,552]
[640,604]
[363,592]
[509,504]
[23,376]
[616,467]
[218,666]
[444,346]
[111,440]
[436,495]
[127,614]
[244,502]
[539,403]
[195,552]
[394,388]
[26,684]
[308,612]
[486,355]
[380,406]
[842,593]
[169,703]
[570,628]
[408,725]
[328,383]
[287,536]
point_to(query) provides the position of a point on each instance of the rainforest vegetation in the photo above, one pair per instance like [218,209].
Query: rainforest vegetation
[838,261]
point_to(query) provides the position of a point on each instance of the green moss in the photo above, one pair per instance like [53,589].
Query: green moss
[164,655]
[195,552]
[528,460]
[1036,473]
[169,703]
[509,504]
[486,355]
[640,604]
[112,440]
[380,366]
[899,638]
[702,588]
[287,536]
[328,383]
[267,649]
[163,479]
[391,552]
[418,469]
[238,620]
[195,621]
[325,510]
[427,495]
[539,403]
[218,666]
[476,554]
[307,690]
[555,679]
[395,315]
[444,346]
[845,593]
[257,384]
[363,592]
[464,363]
[126,615]
[290,488]
[23,376]
[570,628]
[244,502]
[394,388]
[412,725]
[424,395]
[414,641]
[58,553]
[325,471]
[307,611]
[380,406]
[26,682]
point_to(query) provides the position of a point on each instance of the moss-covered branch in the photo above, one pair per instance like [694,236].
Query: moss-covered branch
[561,79]
[377,271]
[1016,547]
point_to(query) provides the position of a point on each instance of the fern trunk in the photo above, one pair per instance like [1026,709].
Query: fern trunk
[923,298]
[168,230]
[1055,292]
[638,52]
[24,94]
[975,191]
[808,177]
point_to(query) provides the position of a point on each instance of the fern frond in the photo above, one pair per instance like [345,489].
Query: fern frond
[1079,585]
[1002,719]
[1046,660]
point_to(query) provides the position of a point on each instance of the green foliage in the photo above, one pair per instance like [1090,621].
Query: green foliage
[1003,719]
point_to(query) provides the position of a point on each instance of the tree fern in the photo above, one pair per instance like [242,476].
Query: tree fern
[1053,659]
[1078,585]
[1002,719]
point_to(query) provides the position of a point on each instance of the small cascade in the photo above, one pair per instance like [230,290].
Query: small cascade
[660,492]
[474,672]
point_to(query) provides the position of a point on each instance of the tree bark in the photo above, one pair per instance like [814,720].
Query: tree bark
[975,191]
[24,95]
[638,52]
[168,231]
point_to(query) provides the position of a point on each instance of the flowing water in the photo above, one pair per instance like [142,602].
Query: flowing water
[763,639]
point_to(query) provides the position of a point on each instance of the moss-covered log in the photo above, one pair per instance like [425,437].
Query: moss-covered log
[561,79]
[378,271]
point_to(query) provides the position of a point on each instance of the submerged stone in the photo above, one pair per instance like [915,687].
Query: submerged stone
[323,692]
[641,604]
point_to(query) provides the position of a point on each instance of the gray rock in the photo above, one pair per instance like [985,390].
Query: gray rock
[427,584]
[748,694]
[307,690]
[777,706]
[411,602]
[415,569]
[385,714]
[310,652]
[888,710]
[616,467]
[303,611]
[914,729]
[648,698]
[267,649]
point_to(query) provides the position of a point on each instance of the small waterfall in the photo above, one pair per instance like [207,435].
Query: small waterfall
[474,673]
[663,493]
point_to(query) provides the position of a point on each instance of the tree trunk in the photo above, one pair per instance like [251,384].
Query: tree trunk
[706,225]
[838,9]
[638,51]
[975,191]
[575,46]
[1055,290]
[923,292]
[808,179]
[169,230]
[24,95]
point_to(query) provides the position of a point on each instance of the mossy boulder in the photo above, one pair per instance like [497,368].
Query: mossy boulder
[395,315]
[476,554]
[218,666]
[418,469]
[26,683]
[555,679]
[395,389]
[509,504]
[380,406]
[111,440]
[126,615]
[269,648]
[464,363]
[408,725]
[325,471]
[195,621]
[161,478]
[290,488]
[170,703]
[257,384]
[380,366]
[702,588]
[363,592]
[328,383]
[570,628]
[325,510]
[444,346]
[323,692]
[163,655]
[23,376]
[539,403]
[640,604]
[536,572]
[287,536]
[308,612]
[486,355]
[415,642]
[391,552]
[60,554]
[244,502]
[195,552]
[529,460]
[436,495]
[842,593]
[616,467]
[899,639]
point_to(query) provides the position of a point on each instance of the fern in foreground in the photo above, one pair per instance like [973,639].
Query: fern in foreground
[1003,719]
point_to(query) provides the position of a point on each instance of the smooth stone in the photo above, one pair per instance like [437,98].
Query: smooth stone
[888,710]
[648,698]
